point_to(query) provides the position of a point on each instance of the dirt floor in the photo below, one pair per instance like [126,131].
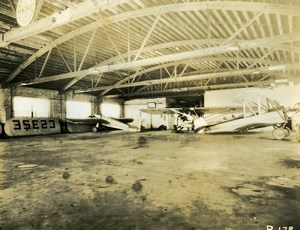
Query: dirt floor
[150,180]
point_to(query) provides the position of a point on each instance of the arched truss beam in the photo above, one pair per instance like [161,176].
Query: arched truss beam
[73,13]
[275,40]
[192,42]
[186,62]
[199,88]
[162,9]
[196,42]
[205,59]
[198,77]
[241,44]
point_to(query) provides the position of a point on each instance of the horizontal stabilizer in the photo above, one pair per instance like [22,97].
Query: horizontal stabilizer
[113,123]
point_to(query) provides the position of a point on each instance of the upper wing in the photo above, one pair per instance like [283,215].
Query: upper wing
[160,111]
[83,120]
[219,109]
[198,110]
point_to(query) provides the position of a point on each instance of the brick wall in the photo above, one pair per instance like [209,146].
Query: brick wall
[5,105]
[57,101]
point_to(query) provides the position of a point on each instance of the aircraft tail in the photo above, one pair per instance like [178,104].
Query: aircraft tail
[113,123]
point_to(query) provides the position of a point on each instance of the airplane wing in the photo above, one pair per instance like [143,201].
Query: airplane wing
[125,120]
[198,110]
[219,109]
[88,124]
[82,121]
[118,124]
[160,110]
[248,123]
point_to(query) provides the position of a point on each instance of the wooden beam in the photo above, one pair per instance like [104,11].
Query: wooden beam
[87,49]
[128,40]
[65,61]
[68,15]
[88,7]
[218,49]
[80,66]
[45,62]
[38,9]
[13,8]
[146,38]
[199,88]
[198,77]
[180,7]
[75,54]
[243,27]
[114,44]
[173,57]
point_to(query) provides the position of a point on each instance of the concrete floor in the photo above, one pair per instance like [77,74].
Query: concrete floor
[149,180]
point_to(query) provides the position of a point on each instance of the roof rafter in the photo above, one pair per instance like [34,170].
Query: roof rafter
[171,57]
[218,48]
[191,6]
[198,77]
[199,88]
[68,15]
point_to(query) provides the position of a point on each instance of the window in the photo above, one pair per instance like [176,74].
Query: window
[78,109]
[31,107]
[110,110]
[151,104]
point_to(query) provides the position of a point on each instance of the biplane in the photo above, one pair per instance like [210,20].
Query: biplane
[230,119]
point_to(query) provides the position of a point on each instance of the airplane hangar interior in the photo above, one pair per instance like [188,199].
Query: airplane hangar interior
[147,114]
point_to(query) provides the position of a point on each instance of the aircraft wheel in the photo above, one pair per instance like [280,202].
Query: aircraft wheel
[95,130]
[279,133]
[297,107]
[287,131]
[162,127]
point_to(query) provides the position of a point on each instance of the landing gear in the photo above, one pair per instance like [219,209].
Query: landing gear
[287,131]
[162,127]
[96,128]
[281,132]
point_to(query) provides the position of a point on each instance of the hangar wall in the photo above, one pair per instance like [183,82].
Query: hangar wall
[57,101]
[111,107]
[287,95]
[5,108]
[148,121]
